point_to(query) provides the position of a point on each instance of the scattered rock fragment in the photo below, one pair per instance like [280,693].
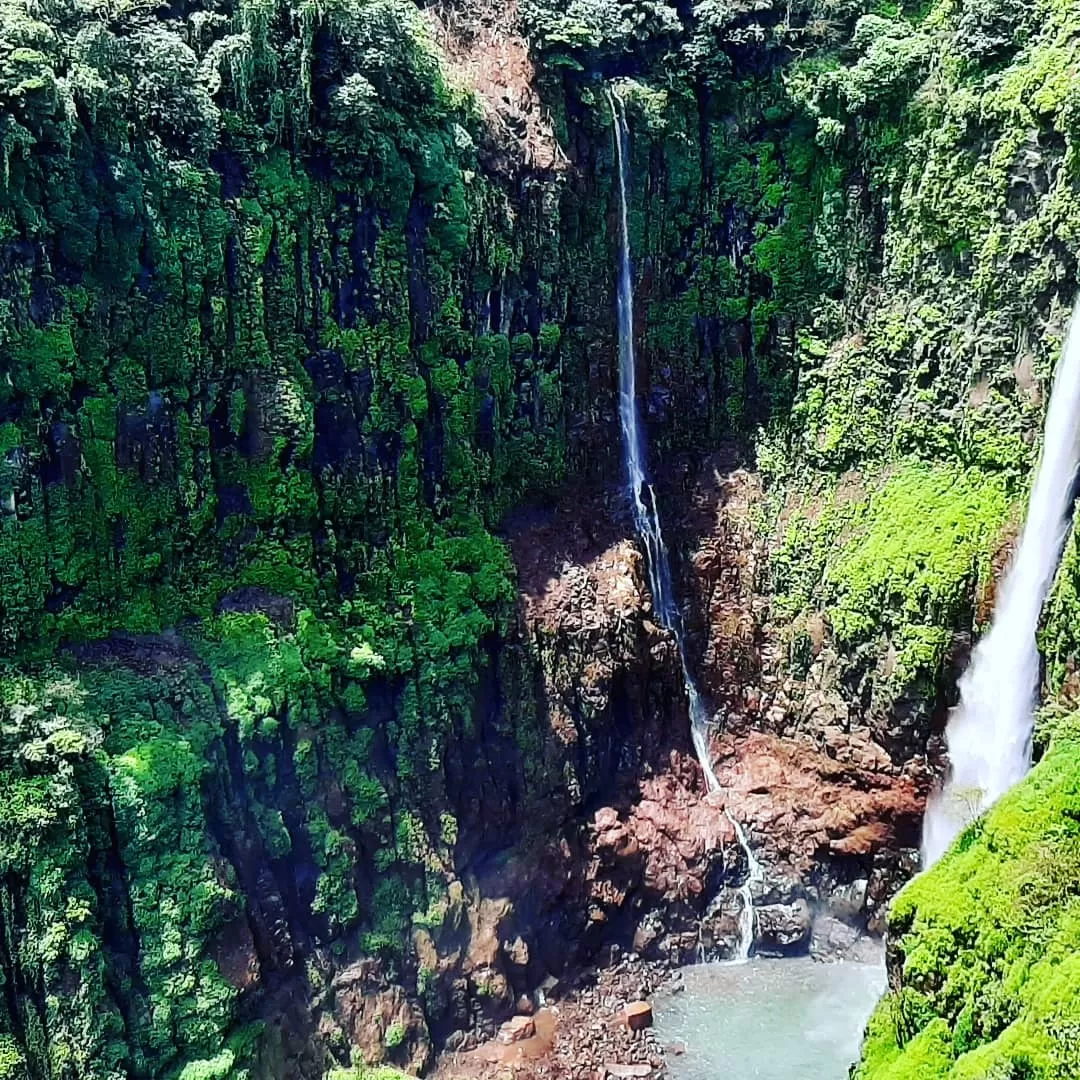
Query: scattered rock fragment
[638,1016]
[517,1029]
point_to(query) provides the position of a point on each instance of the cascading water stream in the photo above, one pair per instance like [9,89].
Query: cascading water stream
[647,518]
[989,732]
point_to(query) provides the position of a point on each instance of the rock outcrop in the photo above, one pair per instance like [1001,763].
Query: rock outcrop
[806,766]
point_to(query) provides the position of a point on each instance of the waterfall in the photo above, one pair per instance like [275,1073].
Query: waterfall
[989,732]
[647,518]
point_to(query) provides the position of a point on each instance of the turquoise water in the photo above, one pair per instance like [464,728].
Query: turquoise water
[768,1019]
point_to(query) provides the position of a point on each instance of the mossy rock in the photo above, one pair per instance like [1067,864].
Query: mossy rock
[986,944]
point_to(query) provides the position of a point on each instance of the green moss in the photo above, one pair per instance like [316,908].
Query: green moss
[218,1067]
[101,749]
[42,363]
[989,939]
[897,555]
[913,549]
[11,1059]
[365,1072]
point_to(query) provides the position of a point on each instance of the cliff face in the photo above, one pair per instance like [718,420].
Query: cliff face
[286,331]
[982,966]
[332,714]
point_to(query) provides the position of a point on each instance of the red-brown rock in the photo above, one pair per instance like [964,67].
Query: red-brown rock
[517,1029]
[638,1015]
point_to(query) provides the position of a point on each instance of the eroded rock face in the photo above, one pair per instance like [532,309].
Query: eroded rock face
[488,52]
[830,812]
[642,869]
[660,850]
[375,1018]
[660,866]
[818,823]
[609,684]
[828,782]
[677,838]
[615,839]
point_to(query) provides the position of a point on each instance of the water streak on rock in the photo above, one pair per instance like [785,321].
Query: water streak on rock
[647,516]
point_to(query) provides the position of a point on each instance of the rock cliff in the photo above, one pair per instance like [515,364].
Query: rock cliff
[334,721]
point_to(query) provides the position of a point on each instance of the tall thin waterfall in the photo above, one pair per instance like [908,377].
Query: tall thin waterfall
[989,732]
[647,516]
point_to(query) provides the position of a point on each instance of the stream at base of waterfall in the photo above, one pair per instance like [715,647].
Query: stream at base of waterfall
[796,1019]
[647,517]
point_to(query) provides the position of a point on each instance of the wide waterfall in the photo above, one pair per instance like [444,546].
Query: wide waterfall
[989,733]
[647,515]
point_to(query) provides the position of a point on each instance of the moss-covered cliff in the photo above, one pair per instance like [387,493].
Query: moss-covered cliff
[286,329]
[298,301]
[983,959]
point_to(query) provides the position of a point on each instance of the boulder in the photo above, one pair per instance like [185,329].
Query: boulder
[784,928]
[638,1015]
[847,902]
[517,951]
[517,1029]
[832,938]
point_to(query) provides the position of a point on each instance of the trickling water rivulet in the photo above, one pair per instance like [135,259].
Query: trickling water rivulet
[989,733]
[647,516]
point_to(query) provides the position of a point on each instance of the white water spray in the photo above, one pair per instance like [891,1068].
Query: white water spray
[647,519]
[989,732]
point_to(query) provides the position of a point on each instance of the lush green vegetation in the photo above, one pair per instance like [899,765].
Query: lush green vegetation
[918,381]
[250,375]
[361,1073]
[894,556]
[225,389]
[283,338]
[987,970]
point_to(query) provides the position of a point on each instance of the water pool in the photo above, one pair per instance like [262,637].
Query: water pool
[792,1019]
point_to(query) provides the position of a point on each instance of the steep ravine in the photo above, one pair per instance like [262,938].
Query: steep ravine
[336,725]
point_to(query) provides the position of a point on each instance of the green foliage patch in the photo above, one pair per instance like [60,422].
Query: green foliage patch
[897,556]
[988,941]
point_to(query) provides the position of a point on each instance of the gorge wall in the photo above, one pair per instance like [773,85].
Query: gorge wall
[333,715]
